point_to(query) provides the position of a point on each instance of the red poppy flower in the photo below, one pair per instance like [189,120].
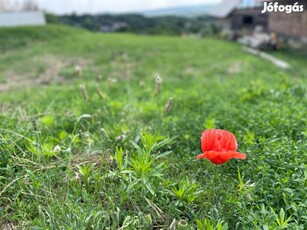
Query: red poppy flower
[219,146]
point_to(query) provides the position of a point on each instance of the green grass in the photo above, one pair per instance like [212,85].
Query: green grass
[125,163]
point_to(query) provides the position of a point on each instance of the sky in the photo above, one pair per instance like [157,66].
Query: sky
[112,6]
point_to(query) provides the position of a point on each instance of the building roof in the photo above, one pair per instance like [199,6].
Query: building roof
[25,18]
[224,8]
[227,6]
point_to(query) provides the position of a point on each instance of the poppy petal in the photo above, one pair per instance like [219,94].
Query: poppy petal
[209,140]
[228,141]
[221,157]
[199,156]
[218,140]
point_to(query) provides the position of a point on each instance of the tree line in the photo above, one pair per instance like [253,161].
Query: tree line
[136,23]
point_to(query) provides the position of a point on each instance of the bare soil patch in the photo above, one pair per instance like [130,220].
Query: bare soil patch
[51,73]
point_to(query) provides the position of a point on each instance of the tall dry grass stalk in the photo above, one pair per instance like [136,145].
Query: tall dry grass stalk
[168,105]
[158,84]
[99,93]
[83,91]
[78,70]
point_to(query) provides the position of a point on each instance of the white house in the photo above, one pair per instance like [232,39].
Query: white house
[22,18]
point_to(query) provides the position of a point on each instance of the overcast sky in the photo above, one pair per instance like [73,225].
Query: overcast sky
[114,6]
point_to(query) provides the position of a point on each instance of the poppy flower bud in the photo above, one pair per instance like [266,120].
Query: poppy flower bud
[182,225]
[148,219]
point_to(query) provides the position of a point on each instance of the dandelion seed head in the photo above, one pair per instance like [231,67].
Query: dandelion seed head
[57,149]
[158,79]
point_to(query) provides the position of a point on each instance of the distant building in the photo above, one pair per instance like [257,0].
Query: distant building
[293,25]
[239,14]
[114,27]
[235,15]
[22,18]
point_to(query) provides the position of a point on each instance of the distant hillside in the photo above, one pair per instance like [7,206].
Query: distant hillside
[186,11]
[136,23]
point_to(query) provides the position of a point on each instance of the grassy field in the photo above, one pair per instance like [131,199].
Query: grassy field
[98,146]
